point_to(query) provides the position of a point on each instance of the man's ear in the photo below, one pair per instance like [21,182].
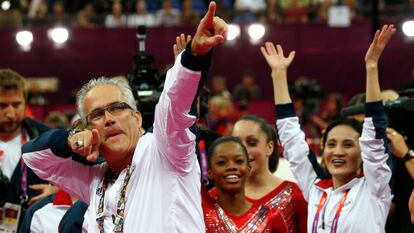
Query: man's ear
[138,116]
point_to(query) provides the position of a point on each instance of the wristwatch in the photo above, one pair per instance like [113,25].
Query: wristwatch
[408,156]
[73,132]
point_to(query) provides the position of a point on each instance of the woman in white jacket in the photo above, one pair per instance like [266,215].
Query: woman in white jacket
[357,197]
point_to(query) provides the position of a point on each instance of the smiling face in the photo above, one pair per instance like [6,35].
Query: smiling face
[256,143]
[119,131]
[229,167]
[342,153]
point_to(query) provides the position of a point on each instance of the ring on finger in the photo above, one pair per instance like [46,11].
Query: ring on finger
[79,143]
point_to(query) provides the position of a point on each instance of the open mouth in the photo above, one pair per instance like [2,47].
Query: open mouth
[338,162]
[232,178]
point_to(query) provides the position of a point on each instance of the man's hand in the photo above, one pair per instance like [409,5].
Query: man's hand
[378,44]
[86,143]
[275,57]
[44,189]
[398,146]
[211,31]
[180,44]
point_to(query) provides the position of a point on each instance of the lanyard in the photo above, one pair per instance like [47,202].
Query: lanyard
[23,197]
[321,204]
[203,160]
[118,220]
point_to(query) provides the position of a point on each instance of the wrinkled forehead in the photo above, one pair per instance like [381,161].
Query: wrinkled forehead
[101,96]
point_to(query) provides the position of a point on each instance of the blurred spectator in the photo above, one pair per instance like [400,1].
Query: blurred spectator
[168,16]
[219,117]
[219,87]
[57,120]
[86,17]
[188,15]
[272,12]
[141,16]
[295,11]
[246,11]
[59,15]
[116,18]
[37,11]
[247,89]
[331,110]
[353,7]
[323,9]
[324,6]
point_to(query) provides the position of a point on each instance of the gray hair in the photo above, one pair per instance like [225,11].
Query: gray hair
[121,85]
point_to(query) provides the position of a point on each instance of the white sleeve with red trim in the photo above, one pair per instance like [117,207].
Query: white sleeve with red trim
[296,151]
[376,171]
[175,140]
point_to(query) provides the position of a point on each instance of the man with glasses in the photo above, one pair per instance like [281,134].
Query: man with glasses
[150,181]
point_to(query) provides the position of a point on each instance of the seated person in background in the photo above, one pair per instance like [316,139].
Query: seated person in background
[141,16]
[220,116]
[219,87]
[247,89]
[168,16]
[57,120]
[116,18]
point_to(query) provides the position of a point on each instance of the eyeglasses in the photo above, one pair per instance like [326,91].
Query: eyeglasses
[114,109]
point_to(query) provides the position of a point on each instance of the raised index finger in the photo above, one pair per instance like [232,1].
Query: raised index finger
[208,18]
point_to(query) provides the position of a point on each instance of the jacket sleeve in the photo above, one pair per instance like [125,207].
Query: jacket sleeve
[301,159]
[174,138]
[373,146]
[50,158]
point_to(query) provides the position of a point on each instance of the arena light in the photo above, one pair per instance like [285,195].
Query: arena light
[234,32]
[256,31]
[24,38]
[408,28]
[5,5]
[59,35]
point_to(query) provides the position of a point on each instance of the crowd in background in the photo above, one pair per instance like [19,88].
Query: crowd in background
[131,13]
